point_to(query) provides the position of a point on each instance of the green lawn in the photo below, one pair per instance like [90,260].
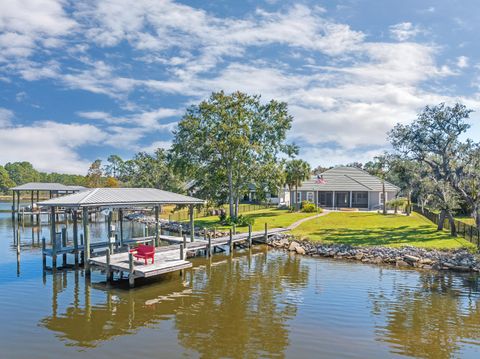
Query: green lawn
[274,217]
[468,220]
[366,228]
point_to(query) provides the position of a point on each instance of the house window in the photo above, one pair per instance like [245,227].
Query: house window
[360,199]
[325,199]
[310,197]
[381,198]
[299,197]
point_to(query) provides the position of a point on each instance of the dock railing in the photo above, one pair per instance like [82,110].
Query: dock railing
[465,230]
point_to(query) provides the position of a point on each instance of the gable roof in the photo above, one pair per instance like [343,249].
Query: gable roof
[120,197]
[43,186]
[347,179]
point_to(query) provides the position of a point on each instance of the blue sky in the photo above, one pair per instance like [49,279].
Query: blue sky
[80,80]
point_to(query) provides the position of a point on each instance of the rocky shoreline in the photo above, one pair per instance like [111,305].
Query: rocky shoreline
[459,260]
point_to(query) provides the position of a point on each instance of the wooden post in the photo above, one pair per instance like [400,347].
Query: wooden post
[266,232]
[53,234]
[192,224]
[86,248]
[75,236]
[120,214]
[64,244]
[185,241]
[181,251]
[131,278]
[38,208]
[157,227]
[209,248]
[31,206]
[18,204]
[82,253]
[234,229]
[230,240]
[180,230]
[204,234]
[13,205]
[249,235]
[44,256]
[109,269]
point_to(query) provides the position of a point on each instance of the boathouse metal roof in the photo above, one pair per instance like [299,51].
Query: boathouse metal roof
[41,186]
[346,179]
[120,197]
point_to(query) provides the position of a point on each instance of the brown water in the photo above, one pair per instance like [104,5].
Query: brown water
[258,303]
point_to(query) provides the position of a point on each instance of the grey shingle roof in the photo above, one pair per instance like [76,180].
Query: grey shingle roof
[111,197]
[347,179]
[40,186]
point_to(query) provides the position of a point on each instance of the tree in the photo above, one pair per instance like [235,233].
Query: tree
[115,166]
[5,180]
[227,140]
[379,167]
[296,171]
[112,182]
[151,171]
[434,139]
[94,175]
[22,172]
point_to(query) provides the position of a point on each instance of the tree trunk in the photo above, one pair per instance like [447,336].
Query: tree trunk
[236,206]
[230,193]
[396,209]
[441,220]
[409,202]
[297,205]
[451,220]
[384,197]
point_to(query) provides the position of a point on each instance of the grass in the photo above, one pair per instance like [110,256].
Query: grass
[274,217]
[366,228]
[466,219]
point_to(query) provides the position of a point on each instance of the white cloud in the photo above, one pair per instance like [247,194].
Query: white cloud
[404,31]
[49,146]
[5,117]
[26,24]
[462,62]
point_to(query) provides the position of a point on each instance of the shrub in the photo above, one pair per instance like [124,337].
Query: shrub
[397,203]
[308,207]
[240,221]
[222,216]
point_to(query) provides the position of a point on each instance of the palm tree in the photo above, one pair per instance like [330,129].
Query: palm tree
[296,171]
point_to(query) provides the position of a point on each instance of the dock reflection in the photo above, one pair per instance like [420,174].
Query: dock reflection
[238,299]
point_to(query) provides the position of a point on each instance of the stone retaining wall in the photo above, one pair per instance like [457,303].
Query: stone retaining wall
[457,260]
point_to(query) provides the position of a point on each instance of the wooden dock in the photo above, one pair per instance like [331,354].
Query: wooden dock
[171,257]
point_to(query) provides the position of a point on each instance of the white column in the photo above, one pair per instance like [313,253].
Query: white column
[333,200]
[350,199]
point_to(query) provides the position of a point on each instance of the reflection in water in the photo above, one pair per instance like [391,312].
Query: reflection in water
[239,300]
[268,304]
[433,319]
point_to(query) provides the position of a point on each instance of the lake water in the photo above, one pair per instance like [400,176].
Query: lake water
[258,303]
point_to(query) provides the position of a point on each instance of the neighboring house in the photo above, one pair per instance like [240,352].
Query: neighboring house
[282,197]
[345,187]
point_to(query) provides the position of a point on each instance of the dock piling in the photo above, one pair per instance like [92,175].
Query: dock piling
[44,255]
[109,269]
[230,240]
[181,251]
[249,235]
[131,278]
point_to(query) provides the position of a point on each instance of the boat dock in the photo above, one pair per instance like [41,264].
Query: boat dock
[171,258]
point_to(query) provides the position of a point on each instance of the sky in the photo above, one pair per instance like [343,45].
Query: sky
[80,80]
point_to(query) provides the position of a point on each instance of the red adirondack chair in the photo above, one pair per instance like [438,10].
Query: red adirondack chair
[144,252]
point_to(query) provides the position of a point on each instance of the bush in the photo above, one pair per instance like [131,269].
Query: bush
[240,221]
[397,203]
[222,216]
[308,207]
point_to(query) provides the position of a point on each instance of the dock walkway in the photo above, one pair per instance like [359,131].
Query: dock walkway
[171,257]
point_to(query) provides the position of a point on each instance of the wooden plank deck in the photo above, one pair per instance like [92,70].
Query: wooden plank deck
[165,262]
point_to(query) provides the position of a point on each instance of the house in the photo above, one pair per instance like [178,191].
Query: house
[344,187]
[281,197]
